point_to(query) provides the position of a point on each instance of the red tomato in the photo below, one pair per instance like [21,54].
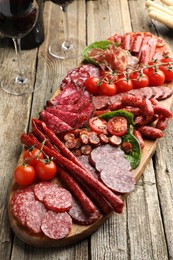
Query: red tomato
[107,89]
[117,126]
[32,156]
[46,170]
[149,67]
[91,84]
[124,85]
[156,78]
[24,174]
[98,125]
[167,69]
[139,80]
[109,76]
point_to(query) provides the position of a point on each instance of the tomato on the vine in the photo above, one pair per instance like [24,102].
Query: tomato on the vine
[123,84]
[156,77]
[107,89]
[167,68]
[98,125]
[139,80]
[117,126]
[92,85]
[33,156]
[24,174]
[46,170]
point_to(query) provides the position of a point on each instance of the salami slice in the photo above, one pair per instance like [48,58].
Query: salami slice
[79,215]
[113,168]
[100,102]
[56,225]
[68,117]
[54,123]
[59,200]
[167,92]
[67,100]
[34,216]
[157,93]
[145,92]
[84,159]
[43,188]
[19,203]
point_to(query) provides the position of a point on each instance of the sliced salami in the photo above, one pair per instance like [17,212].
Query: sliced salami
[56,225]
[54,123]
[19,202]
[79,215]
[68,117]
[43,188]
[68,100]
[59,200]
[84,159]
[113,168]
[117,179]
[100,102]
[34,216]
[145,92]
[167,92]
[157,93]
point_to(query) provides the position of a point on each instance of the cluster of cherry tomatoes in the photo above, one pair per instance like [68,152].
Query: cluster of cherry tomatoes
[33,166]
[154,74]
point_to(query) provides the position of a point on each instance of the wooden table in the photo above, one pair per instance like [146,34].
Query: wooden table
[145,229]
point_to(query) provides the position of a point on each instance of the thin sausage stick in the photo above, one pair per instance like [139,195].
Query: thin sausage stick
[75,170]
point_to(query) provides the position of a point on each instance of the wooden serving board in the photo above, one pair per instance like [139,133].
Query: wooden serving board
[79,232]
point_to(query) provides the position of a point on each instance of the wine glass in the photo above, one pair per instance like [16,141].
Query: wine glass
[68,47]
[17,18]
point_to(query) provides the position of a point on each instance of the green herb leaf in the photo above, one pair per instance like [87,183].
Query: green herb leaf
[134,156]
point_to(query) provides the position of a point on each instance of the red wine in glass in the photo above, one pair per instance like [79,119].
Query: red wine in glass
[17,18]
[68,47]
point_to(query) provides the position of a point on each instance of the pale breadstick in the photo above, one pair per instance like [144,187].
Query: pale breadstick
[162,18]
[157,5]
[167,2]
[165,10]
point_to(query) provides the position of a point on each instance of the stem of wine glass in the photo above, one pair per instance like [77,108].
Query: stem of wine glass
[20,77]
[67,43]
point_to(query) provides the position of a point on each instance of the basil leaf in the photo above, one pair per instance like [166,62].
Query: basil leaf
[134,156]
[129,116]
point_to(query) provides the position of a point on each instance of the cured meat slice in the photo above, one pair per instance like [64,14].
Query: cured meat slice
[137,42]
[87,110]
[34,216]
[54,123]
[19,202]
[157,92]
[117,180]
[79,215]
[68,100]
[43,188]
[68,117]
[59,200]
[145,92]
[113,168]
[68,90]
[56,225]
[84,159]
[167,92]
[101,102]
[113,57]
[126,41]
[80,75]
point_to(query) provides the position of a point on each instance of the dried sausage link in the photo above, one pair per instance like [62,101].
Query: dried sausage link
[162,122]
[150,132]
[138,136]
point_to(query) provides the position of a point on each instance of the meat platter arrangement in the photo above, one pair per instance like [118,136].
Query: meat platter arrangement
[92,140]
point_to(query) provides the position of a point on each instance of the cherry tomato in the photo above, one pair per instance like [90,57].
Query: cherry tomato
[156,78]
[139,80]
[46,170]
[109,76]
[91,84]
[124,85]
[107,89]
[117,126]
[24,174]
[32,156]
[167,69]
[98,125]
[151,65]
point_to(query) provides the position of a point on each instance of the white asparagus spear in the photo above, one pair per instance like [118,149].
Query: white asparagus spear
[157,5]
[167,2]
[170,7]
[162,18]
[163,11]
